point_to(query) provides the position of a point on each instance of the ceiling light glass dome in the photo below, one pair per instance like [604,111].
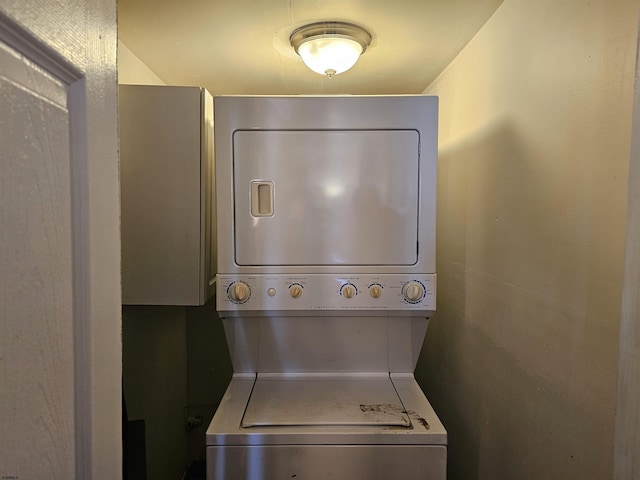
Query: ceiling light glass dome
[330,48]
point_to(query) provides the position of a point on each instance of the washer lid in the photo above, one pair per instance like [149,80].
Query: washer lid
[305,400]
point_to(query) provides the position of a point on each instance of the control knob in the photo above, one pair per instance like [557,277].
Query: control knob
[413,291]
[295,291]
[375,291]
[239,292]
[348,291]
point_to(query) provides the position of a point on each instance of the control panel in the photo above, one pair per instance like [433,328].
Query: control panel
[392,292]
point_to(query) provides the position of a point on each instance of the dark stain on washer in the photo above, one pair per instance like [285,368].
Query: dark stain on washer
[387,408]
[422,422]
[390,409]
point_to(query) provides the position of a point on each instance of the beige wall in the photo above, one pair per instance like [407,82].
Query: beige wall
[133,71]
[521,358]
[154,369]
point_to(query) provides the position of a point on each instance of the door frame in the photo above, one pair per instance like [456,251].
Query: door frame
[84,59]
[627,427]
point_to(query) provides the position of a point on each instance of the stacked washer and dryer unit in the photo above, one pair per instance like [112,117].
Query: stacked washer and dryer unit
[326,282]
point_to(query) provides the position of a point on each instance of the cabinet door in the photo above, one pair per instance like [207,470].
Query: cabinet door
[164,202]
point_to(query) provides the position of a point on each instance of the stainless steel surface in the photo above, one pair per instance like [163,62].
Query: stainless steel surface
[226,430]
[347,184]
[327,280]
[297,344]
[335,462]
[372,223]
[166,171]
[338,29]
[326,294]
[324,399]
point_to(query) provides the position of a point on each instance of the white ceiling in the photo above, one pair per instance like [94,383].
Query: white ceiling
[242,46]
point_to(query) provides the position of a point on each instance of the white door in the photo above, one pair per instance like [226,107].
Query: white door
[60,360]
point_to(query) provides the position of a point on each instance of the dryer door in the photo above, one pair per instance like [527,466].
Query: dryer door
[332,197]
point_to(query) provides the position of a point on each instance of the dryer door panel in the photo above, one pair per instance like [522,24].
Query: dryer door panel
[326,197]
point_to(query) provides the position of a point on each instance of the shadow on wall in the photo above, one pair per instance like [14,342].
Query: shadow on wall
[514,362]
[209,372]
[176,368]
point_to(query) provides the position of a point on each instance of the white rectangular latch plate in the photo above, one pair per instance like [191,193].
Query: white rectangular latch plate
[261,198]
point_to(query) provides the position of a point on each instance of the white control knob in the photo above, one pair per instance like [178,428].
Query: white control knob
[413,291]
[348,291]
[239,292]
[375,291]
[295,291]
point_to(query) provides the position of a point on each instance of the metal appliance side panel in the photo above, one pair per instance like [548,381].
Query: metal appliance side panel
[242,340]
[405,336]
[323,344]
[336,462]
[418,407]
[326,113]
[208,250]
[339,197]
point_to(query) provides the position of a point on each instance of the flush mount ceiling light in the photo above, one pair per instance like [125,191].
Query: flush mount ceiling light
[330,48]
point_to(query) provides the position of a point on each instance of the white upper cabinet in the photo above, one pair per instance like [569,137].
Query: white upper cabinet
[166,155]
